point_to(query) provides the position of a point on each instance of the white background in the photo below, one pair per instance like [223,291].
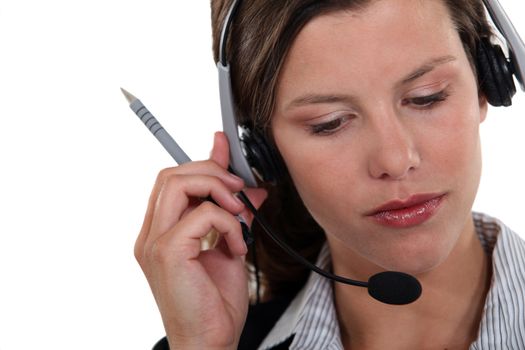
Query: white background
[76,165]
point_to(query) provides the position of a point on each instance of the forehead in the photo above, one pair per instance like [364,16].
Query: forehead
[382,40]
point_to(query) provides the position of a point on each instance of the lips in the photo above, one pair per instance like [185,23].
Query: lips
[406,213]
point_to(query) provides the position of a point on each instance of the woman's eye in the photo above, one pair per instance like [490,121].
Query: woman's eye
[329,127]
[425,102]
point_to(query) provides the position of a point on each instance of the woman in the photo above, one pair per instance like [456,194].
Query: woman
[374,109]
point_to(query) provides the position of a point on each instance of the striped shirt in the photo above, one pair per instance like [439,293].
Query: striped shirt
[312,321]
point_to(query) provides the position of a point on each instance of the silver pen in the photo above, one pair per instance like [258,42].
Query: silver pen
[169,144]
[156,129]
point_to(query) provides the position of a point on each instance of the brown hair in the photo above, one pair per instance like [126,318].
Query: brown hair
[260,36]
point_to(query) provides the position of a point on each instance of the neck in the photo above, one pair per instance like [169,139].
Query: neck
[446,315]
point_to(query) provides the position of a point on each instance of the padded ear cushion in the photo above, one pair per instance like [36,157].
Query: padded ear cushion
[495,74]
[261,156]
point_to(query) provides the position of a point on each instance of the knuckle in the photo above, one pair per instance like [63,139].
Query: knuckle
[164,174]
[138,252]
[208,208]
[173,182]
[217,216]
[140,256]
[172,185]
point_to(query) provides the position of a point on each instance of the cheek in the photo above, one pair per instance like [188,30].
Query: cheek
[308,168]
[327,178]
[454,148]
[316,170]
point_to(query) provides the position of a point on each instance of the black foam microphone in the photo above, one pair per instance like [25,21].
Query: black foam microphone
[389,287]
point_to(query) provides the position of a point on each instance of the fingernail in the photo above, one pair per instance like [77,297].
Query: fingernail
[235,177]
[237,200]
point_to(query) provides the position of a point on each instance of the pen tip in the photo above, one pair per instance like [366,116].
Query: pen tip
[128,96]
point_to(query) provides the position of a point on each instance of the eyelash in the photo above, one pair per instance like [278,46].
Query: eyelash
[422,102]
[329,127]
[426,102]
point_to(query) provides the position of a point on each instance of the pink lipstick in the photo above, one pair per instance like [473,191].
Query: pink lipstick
[411,212]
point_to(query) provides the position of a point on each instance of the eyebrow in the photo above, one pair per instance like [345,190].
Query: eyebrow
[319,99]
[334,98]
[427,67]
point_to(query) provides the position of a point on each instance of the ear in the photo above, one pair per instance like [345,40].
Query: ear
[483,108]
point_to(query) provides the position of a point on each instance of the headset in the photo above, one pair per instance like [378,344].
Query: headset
[249,151]
[251,154]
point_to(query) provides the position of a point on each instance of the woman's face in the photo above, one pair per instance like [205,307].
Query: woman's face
[378,110]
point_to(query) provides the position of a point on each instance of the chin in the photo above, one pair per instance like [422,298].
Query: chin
[414,260]
[415,267]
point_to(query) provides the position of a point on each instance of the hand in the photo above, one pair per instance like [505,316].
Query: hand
[202,295]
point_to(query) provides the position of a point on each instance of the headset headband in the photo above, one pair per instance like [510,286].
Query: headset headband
[238,160]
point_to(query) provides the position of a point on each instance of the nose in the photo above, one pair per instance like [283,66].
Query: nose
[394,154]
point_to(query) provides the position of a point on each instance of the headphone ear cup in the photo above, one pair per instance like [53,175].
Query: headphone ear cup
[262,158]
[495,74]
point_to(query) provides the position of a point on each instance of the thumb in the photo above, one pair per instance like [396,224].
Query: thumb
[220,152]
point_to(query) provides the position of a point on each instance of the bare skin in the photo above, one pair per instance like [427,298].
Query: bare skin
[374,131]
[202,296]
[371,106]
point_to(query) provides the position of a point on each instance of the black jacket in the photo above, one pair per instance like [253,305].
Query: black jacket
[259,322]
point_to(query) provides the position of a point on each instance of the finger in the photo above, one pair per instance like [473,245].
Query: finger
[175,195]
[207,167]
[183,241]
[220,152]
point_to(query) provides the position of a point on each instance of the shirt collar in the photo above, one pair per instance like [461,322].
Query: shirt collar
[311,316]
[312,320]
[502,325]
